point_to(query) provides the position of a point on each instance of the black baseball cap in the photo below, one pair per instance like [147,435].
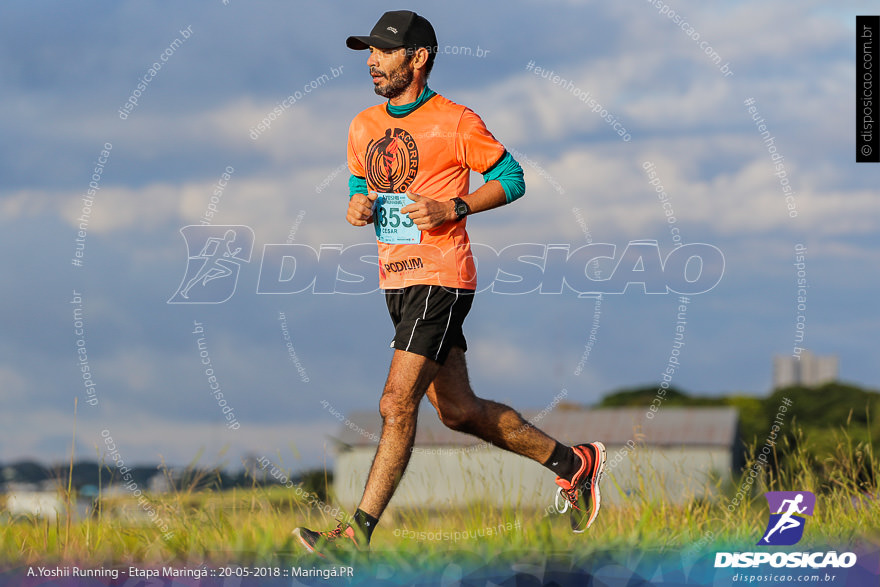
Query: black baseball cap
[398,28]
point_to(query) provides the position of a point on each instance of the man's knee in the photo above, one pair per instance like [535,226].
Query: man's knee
[394,407]
[462,418]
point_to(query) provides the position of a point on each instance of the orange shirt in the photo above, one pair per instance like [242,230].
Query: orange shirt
[430,152]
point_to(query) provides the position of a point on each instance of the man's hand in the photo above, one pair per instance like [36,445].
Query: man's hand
[360,209]
[428,213]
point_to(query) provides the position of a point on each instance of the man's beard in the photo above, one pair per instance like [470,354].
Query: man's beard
[395,84]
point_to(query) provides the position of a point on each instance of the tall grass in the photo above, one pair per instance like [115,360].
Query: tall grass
[254,525]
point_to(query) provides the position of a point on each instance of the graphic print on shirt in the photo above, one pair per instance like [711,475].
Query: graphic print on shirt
[392,161]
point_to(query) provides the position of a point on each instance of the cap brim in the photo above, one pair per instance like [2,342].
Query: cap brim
[361,43]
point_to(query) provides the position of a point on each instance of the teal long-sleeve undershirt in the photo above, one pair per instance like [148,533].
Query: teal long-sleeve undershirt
[507,172]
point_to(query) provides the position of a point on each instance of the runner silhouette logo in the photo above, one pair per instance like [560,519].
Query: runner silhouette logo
[392,162]
[214,258]
[787,517]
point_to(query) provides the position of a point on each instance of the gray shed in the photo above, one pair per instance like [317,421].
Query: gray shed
[677,455]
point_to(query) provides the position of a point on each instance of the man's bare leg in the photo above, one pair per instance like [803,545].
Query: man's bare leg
[408,380]
[411,377]
[578,468]
[459,409]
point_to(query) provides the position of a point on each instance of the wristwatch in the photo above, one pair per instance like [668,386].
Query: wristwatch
[461,208]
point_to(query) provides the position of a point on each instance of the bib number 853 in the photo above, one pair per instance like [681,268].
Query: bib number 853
[392,218]
[392,226]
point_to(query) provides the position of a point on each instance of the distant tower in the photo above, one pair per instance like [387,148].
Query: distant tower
[804,369]
[252,467]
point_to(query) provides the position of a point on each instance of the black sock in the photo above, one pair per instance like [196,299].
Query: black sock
[365,523]
[563,462]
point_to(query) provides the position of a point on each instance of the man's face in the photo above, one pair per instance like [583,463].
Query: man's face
[391,70]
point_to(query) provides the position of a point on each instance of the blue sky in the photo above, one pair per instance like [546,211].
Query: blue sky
[67,70]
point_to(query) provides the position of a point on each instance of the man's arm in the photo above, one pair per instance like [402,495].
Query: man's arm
[428,213]
[360,209]
[504,184]
[510,173]
[489,195]
[360,202]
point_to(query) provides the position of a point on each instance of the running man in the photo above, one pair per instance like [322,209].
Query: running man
[215,263]
[787,520]
[429,285]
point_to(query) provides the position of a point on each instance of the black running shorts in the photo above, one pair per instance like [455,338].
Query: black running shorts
[427,319]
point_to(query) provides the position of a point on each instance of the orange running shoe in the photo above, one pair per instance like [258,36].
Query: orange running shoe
[344,539]
[581,494]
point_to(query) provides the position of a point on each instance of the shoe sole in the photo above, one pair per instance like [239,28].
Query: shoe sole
[595,494]
[296,532]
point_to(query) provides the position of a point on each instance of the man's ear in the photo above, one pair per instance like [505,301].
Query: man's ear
[420,57]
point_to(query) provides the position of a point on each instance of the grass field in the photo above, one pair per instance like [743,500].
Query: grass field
[254,526]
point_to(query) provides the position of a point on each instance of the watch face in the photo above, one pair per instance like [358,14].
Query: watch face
[461,209]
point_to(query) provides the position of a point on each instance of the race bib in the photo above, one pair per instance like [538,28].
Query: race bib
[392,226]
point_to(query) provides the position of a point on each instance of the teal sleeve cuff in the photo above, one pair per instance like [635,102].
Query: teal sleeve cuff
[356,185]
[509,174]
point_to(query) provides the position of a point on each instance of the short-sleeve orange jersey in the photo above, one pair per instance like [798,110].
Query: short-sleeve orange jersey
[430,152]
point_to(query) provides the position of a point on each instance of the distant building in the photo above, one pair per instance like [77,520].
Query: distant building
[159,483]
[804,369]
[676,456]
[45,500]
[29,500]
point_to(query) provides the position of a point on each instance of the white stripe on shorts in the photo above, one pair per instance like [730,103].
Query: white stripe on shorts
[424,314]
[448,320]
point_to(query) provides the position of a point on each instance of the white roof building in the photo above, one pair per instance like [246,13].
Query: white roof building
[678,454]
